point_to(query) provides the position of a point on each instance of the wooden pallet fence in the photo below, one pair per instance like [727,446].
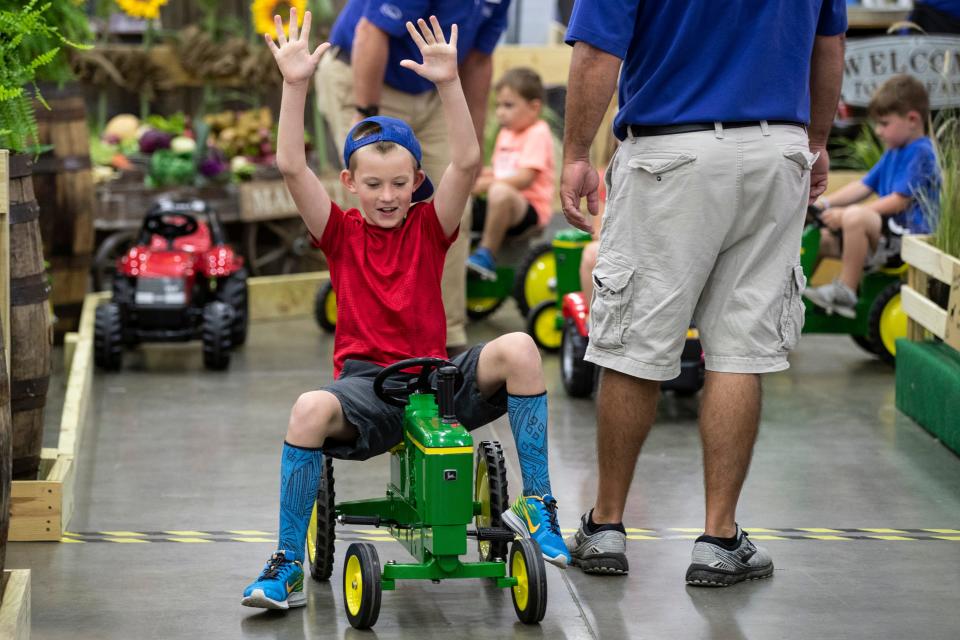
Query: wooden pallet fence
[41,509]
[926,261]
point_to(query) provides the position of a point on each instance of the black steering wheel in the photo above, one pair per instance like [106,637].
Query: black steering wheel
[170,226]
[398,396]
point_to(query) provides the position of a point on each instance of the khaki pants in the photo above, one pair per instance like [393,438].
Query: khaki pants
[424,113]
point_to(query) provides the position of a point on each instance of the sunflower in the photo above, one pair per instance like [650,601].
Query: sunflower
[264,10]
[148,9]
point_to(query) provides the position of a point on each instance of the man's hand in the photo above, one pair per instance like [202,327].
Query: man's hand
[579,180]
[818,175]
[439,57]
[293,57]
[833,218]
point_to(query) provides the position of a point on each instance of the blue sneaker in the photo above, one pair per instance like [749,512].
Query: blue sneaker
[482,263]
[536,517]
[280,586]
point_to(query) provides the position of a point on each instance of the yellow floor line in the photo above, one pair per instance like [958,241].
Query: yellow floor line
[249,532]
[193,534]
[891,538]
[821,537]
[955,538]
[884,530]
[253,539]
[126,540]
[188,540]
[767,537]
[818,530]
[943,530]
[123,534]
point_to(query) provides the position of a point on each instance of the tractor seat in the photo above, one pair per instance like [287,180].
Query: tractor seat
[197,242]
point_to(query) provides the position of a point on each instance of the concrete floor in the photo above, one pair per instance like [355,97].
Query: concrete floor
[173,448]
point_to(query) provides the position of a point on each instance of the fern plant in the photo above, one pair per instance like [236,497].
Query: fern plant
[22,29]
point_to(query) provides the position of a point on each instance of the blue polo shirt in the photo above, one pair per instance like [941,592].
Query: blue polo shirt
[479,24]
[910,171]
[708,60]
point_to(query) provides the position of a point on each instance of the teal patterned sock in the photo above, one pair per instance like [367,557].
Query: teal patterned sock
[300,471]
[528,421]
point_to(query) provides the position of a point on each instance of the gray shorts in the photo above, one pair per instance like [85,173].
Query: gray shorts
[380,425]
[703,226]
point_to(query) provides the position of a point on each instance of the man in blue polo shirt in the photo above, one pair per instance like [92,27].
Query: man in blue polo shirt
[361,76]
[724,107]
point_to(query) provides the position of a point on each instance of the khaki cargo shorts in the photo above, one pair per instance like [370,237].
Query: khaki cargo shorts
[703,226]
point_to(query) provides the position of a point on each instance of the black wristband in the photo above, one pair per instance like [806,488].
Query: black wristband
[368,111]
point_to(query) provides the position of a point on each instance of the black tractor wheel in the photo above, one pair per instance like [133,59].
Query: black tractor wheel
[887,322]
[322,529]
[480,308]
[864,343]
[536,278]
[325,307]
[490,490]
[361,585]
[232,291]
[542,326]
[108,337]
[530,594]
[217,329]
[577,374]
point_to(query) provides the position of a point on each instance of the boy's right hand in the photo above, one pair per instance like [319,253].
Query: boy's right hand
[293,56]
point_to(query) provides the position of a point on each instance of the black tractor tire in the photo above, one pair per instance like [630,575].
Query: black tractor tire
[108,337]
[321,564]
[480,308]
[520,282]
[527,552]
[320,301]
[866,344]
[578,375]
[217,330]
[368,590]
[490,487]
[873,321]
[232,290]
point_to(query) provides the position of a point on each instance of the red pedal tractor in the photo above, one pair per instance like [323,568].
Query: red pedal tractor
[180,282]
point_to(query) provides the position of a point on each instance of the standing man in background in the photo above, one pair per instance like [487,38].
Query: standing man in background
[725,109]
[361,76]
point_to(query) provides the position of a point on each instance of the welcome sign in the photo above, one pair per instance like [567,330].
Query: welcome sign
[934,60]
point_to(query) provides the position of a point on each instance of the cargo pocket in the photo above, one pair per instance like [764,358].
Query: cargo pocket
[660,163]
[610,310]
[792,311]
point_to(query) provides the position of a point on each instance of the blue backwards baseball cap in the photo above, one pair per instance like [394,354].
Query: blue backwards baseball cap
[391,130]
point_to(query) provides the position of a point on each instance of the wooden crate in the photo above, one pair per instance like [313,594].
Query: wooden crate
[926,261]
[41,509]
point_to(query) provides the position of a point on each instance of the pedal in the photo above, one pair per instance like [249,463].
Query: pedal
[492,534]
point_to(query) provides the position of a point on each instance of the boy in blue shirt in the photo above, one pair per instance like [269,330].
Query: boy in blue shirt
[907,172]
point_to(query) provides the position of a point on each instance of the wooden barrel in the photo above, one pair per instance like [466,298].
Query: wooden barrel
[63,182]
[5,453]
[30,334]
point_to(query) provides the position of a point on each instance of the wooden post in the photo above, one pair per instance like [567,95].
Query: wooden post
[5,251]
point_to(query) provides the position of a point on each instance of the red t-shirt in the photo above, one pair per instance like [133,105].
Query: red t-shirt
[387,281]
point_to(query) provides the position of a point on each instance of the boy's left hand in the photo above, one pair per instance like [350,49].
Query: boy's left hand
[439,57]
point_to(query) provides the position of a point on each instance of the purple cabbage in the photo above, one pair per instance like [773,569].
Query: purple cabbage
[154,140]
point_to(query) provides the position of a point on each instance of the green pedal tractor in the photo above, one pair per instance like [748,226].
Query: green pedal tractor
[880,318]
[437,488]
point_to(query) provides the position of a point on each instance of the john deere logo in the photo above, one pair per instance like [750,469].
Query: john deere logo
[450,475]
